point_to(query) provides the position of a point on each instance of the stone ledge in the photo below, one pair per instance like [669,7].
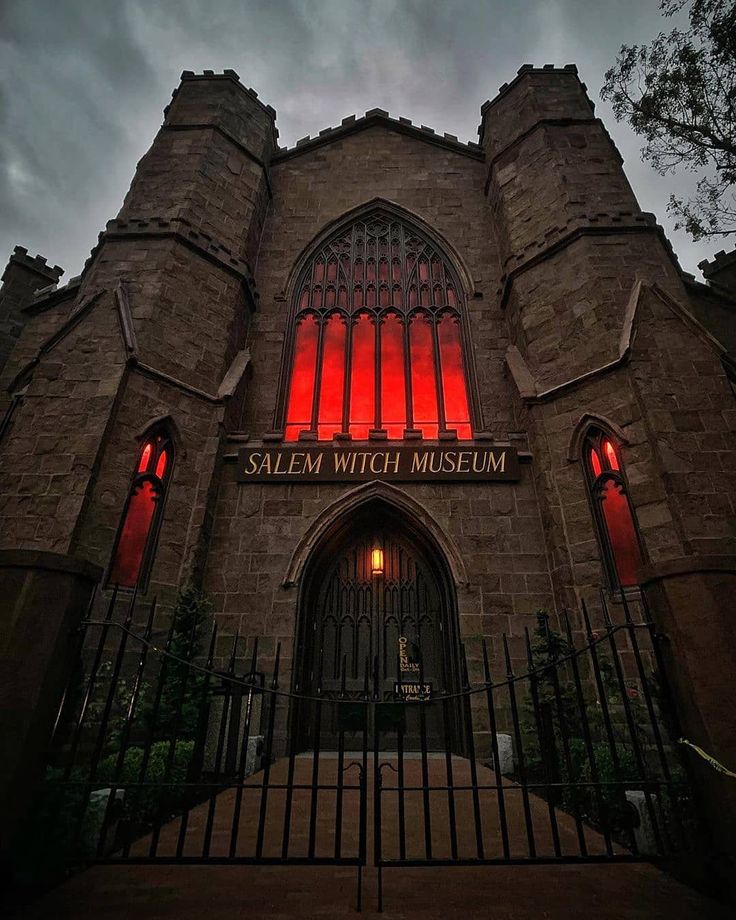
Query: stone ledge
[613,219]
[556,239]
[52,294]
[52,562]
[686,565]
[178,228]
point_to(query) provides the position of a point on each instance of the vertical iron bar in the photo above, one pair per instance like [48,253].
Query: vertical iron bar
[104,720]
[90,686]
[654,722]
[633,734]
[500,795]
[201,738]
[520,752]
[149,739]
[607,723]
[125,734]
[171,753]
[225,716]
[83,628]
[426,800]
[243,765]
[268,755]
[400,755]
[377,781]
[587,738]
[467,700]
[315,759]
[564,733]
[294,717]
[542,746]
[450,784]
[340,764]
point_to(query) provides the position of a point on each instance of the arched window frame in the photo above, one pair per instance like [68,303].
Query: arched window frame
[602,442]
[148,470]
[440,293]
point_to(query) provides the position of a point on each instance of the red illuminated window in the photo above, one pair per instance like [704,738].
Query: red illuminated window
[613,512]
[135,543]
[377,341]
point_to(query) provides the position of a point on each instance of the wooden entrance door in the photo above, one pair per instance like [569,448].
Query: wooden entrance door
[382,631]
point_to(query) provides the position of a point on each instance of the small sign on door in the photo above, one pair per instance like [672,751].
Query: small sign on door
[413,692]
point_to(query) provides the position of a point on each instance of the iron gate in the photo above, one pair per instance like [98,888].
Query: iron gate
[161,756]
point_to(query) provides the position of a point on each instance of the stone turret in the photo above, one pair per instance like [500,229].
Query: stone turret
[571,233]
[22,277]
[208,165]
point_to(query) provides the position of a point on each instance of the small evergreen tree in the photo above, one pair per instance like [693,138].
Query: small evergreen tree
[181,697]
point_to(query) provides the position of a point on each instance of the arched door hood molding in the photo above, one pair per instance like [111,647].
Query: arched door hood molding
[347,504]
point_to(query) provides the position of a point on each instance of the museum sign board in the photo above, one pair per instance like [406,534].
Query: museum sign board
[392,464]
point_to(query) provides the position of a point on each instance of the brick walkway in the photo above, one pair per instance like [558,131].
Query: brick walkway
[605,892]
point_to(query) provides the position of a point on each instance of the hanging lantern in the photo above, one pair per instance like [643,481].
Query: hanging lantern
[377,561]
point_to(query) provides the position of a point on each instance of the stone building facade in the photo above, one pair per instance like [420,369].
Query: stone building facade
[577,320]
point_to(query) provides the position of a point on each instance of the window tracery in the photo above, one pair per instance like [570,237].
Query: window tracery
[377,338]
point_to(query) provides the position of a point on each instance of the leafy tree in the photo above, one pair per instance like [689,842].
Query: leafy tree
[679,93]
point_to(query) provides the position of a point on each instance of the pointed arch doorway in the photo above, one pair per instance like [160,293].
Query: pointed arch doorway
[378,614]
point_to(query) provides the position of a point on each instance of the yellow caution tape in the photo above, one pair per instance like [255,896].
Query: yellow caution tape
[708,759]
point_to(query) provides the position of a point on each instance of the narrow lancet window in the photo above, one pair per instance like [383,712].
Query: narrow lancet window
[136,539]
[614,515]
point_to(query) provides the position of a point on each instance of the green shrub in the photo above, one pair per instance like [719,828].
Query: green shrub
[145,804]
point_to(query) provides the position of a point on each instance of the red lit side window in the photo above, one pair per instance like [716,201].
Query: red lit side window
[377,338]
[613,513]
[135,543]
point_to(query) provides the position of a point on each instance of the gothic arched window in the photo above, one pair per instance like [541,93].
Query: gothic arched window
[613,513]
[136,540]
[376,342]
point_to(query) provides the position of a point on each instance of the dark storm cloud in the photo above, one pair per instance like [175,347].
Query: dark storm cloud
[83,83]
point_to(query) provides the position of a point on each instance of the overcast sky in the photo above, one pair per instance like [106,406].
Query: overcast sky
[83,84]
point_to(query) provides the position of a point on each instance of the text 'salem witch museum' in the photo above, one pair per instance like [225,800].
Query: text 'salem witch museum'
[382,397]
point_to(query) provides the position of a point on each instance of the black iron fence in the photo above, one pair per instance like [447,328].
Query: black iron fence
[172,752]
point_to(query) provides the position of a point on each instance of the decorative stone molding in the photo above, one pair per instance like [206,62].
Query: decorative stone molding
[528,386]
[348,503]
[589,420]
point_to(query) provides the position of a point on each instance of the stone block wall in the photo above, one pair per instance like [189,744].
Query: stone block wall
[496,528]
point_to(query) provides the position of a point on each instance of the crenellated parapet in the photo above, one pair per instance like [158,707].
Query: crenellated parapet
[720,271]
[23,276]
